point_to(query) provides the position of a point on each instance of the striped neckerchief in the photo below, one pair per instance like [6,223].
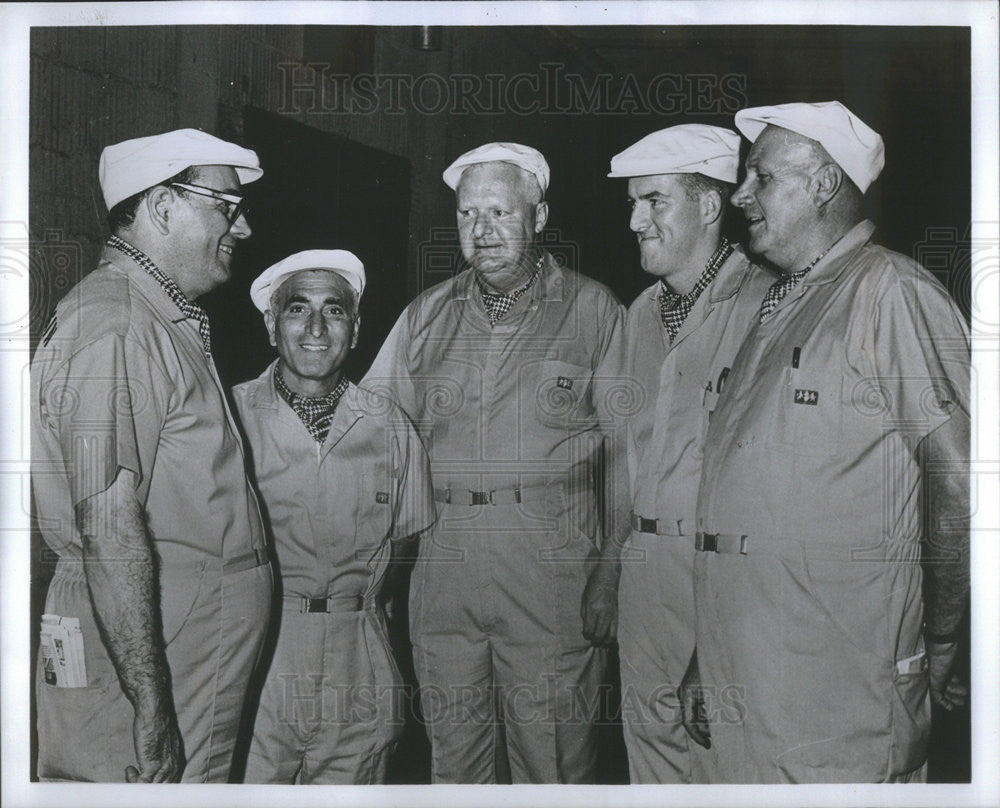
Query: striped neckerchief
[316,413]
[188,309]
[675,308]
[497,305]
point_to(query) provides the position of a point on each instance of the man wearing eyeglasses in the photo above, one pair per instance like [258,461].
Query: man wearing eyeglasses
[140,484]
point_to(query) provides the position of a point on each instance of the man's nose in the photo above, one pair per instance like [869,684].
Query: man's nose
[317,324]
[482,226]
[241,227]
[639,220]
[741,196]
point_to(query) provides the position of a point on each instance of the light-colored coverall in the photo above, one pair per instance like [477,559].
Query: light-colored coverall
[331,706]
[123,382]
[666,437]
[809,642]
[495,599]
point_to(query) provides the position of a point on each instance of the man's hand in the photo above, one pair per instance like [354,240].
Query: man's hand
[946,689]
[693,713]
[157,748]
[599,606]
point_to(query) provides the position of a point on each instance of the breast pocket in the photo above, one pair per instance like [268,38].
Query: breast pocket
[808,414]
[557,393]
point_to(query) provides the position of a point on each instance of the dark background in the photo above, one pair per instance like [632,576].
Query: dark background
[368,178]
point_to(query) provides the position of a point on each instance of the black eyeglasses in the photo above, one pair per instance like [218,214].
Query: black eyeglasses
[236,206]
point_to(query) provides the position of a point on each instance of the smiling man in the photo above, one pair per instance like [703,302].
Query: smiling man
[345,480]
[139,482]
[833,564]
[497,369]
[680,339]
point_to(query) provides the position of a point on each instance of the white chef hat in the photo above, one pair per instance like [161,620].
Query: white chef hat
[525,157]
[132,166]
[685,149]
[344,263]
[857,148]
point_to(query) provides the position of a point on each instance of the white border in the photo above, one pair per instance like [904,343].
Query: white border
[15,20]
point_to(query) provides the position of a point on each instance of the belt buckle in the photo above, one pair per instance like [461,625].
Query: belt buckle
[314,606]
[707,542]
[482,497]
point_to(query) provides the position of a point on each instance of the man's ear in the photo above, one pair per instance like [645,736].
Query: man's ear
[712,206]
[357,328]
[541,215]
[159,205]
[828,178]
[269,322]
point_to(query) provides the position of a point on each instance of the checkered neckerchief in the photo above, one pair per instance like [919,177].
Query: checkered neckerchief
[497,305]
[675,308]
[784,285]
[316,413]
[188,309]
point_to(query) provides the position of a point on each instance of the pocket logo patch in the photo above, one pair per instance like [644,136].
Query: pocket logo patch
[564,383]
[807,397]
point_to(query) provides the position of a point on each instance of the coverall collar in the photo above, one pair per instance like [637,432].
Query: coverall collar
[349,411]
[732,275]
[147,285]
[727,283]
[831,265]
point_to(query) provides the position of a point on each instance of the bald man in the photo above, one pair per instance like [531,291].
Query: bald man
[497,369]
[832,567]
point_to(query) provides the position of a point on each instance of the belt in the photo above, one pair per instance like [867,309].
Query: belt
[720,543]
[255,558]
[741,544]
[325,605]
[498,496]
[658,527]
[72,566]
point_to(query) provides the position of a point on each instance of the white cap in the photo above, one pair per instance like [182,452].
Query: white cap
[525,157]
[132,166]
[857,148]
[343,263]
[686,149]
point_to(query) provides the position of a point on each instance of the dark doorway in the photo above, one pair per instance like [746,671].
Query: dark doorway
[319,191]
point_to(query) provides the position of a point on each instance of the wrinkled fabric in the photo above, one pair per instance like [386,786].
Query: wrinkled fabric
[810,454]
[122,381]
[679,383]
[331,706]
[496,591]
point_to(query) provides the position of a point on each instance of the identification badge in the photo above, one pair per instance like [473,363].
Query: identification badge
[61,650]
[807,397]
